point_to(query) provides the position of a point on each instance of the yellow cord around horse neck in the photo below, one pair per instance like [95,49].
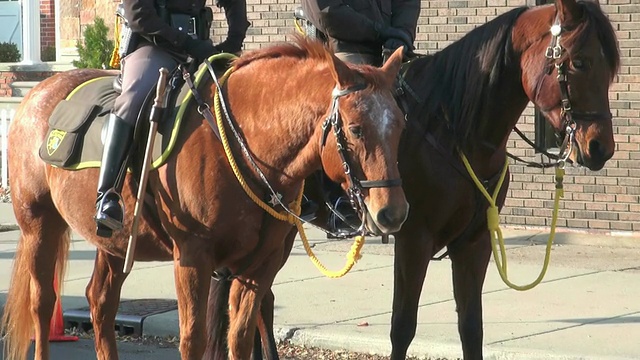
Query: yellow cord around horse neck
[352,256]
[493,223]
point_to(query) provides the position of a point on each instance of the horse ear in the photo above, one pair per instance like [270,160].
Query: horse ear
[391,67]
[570,12]
[340,71]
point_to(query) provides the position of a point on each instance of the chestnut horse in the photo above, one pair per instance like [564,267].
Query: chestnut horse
[466,99]
[202,218]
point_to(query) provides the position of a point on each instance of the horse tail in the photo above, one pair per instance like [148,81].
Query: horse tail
[218,317]
[17,323]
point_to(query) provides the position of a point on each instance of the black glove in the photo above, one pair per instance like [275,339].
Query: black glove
[387,32]
[200,49]
[229,46]
[393,43]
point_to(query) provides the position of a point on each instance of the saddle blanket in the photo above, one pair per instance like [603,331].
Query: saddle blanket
[77,125]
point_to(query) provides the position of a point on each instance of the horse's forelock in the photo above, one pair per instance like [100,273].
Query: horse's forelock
[595,22]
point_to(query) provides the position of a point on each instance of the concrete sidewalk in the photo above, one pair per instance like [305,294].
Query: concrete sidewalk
[580,311]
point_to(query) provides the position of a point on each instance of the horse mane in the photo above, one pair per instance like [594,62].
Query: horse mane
[462,78]
[305,48]
[300,48]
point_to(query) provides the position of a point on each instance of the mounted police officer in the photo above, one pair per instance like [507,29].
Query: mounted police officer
[162,34]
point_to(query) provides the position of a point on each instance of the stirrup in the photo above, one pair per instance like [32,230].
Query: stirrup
[103,218]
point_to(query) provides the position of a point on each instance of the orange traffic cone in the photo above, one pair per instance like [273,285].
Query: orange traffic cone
[56,329]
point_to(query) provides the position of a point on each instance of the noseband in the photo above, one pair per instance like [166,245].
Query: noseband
[355,185]
[554,53]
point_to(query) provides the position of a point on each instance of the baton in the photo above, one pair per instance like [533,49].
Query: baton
[159,104]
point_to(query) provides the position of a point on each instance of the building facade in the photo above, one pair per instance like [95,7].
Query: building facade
[606,201]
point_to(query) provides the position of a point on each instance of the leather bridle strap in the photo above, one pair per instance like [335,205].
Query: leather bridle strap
[380,183]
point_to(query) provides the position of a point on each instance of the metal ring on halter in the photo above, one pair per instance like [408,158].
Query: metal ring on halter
[203,107]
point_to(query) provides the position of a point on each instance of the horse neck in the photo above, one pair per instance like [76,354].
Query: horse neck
[479,90]
[502,116]
[280,117]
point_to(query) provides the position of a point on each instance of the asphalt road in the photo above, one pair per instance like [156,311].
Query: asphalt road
[83,350]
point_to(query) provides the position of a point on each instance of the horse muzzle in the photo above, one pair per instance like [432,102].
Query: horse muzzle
[387,220]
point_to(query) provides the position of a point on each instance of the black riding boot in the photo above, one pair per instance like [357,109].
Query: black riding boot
[109,212]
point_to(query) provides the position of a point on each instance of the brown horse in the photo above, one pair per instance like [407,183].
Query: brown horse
[466,99]
[202,218]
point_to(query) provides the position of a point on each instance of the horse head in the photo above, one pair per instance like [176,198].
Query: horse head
[579,57]
[361,155]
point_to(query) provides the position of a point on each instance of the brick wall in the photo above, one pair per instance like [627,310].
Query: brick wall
[8,77]
[603,201]
[47,24]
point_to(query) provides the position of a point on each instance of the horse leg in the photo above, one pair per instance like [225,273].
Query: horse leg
[246,296]
[469,263]
[103,294]
[412,255]
[42,252]
[218,316]
[266,340]
[218,323]
[192,272]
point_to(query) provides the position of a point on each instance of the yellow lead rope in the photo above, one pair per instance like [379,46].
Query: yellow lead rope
[352,256]
[493,223]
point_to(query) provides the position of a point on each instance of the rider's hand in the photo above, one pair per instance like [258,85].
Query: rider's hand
[393,43]
[387,32]
[200,49]
[229,46]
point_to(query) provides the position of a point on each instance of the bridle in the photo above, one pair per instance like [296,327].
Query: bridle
[568,115]
[554,53]
[355,185]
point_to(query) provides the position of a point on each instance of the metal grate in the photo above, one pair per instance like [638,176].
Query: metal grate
[130,316]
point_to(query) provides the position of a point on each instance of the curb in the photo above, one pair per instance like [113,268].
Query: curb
[9,227]
[422,349]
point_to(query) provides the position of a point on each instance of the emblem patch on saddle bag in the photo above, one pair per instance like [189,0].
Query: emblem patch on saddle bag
[67,126]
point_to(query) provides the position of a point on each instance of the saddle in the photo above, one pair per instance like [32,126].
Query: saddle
[74,140]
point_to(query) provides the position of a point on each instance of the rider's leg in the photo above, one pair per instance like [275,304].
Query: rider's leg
[236,13]
[139,76]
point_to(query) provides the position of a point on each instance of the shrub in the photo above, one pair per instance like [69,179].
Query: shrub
[49,53]
[9,52]
[96,50]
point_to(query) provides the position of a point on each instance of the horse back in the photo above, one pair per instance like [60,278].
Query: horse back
[27,173]
[30,122]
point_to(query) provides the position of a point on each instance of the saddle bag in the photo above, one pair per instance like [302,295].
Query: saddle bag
[67,126]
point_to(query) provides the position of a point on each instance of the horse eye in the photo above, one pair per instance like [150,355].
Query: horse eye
[578,64]
[356,130]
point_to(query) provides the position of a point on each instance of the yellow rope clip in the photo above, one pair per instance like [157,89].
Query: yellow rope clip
[354,254]
[493,224]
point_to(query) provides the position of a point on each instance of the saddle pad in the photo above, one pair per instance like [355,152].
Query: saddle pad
[76,126]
